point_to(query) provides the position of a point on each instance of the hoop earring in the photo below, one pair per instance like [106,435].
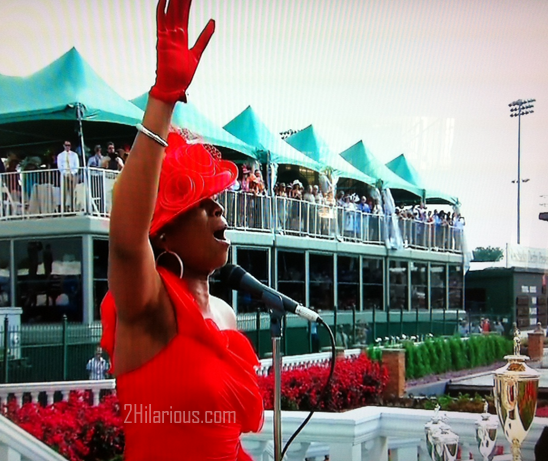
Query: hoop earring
[179,260]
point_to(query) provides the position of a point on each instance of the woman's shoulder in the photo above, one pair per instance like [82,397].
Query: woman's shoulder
[224,312]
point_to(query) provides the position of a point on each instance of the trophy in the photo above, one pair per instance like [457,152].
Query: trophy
[446,445]
[516,387]
[441,442]
[486,433]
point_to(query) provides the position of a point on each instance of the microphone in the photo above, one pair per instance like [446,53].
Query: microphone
[238,279]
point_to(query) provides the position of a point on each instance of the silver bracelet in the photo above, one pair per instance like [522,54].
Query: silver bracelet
[151,135]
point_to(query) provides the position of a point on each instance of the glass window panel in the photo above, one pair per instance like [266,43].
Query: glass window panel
[256,263]
[291,275]
[437,286]
[419,285]
[348,282]
[456,286]
[218,288]
[373,290]
[100,288]
[100,259]
[398,285]
[321,281]
[49,279]
[5,274]
[100,275]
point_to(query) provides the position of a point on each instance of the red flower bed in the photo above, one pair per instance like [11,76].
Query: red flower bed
[542,412]
[356,382]
[75,428]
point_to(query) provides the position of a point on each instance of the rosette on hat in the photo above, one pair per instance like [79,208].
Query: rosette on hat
[190,174]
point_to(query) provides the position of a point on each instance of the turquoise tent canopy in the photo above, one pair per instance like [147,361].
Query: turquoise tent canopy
[362,158]
[188,116]
[406,171]
[312,145]
[43,107]
[269,147]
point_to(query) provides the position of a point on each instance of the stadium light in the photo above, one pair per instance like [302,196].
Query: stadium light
[517,109]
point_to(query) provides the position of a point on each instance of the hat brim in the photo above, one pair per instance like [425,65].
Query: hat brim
[189,175]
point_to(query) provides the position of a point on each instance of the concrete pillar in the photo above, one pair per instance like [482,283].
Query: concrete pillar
[394,360]
[347,452]
[8,454]
[255,448]
[376,449]
[87,279]
[536,344]
[297,451]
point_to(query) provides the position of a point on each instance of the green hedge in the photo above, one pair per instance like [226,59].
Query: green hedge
[439,355]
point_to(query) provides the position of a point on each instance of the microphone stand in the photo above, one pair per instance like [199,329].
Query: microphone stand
[277,313]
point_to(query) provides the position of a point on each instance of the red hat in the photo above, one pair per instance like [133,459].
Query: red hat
[190,174]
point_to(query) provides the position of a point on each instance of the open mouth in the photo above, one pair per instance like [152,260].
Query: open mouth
[220,234]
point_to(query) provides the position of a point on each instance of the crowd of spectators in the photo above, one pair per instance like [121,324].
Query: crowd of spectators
[59,171]
[359,215]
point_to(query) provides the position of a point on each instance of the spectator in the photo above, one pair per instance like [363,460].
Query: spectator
[341,337]
[97,366]
[464,328]
[245,178]
[112,160]
[363,206]
[309,195]
[499,327]
[260,186]
[68,164]
[97,160]
[318,196]
[296,190]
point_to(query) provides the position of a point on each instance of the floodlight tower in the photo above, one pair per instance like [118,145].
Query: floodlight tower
[517,109]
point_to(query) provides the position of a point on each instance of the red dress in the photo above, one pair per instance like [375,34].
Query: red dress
[192,400]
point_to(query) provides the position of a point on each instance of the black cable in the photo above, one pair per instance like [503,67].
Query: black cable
[332,369]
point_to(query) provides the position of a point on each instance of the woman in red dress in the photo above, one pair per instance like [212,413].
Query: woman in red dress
[185,376]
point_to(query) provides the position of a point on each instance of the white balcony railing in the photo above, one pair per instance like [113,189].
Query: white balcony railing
[17,444]
[48,193]
[370,433]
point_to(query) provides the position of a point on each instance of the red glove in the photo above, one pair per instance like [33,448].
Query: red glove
[176,62]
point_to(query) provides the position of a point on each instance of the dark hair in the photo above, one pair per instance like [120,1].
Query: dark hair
[110,144]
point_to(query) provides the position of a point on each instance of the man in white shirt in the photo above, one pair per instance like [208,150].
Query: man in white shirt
[97,366]
[68,164]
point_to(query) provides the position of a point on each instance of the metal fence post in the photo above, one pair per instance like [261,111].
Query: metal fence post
[354,324]
[258,328]
[335,323]
[65,348]
[6,344]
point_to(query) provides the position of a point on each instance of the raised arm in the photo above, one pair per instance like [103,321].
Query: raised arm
[133,279]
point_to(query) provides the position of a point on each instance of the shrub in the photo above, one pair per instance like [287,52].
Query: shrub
[439,355]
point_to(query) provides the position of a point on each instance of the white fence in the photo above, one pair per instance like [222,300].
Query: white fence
[369,433]
[17,444]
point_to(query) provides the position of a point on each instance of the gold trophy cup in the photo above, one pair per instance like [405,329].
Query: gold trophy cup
[515,392]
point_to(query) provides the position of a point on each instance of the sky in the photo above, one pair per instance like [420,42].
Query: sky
[431,79]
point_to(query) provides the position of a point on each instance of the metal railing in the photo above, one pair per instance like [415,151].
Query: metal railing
[42,193]
[88,191]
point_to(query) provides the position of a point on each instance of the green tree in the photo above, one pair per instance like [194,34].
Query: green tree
[484,254]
